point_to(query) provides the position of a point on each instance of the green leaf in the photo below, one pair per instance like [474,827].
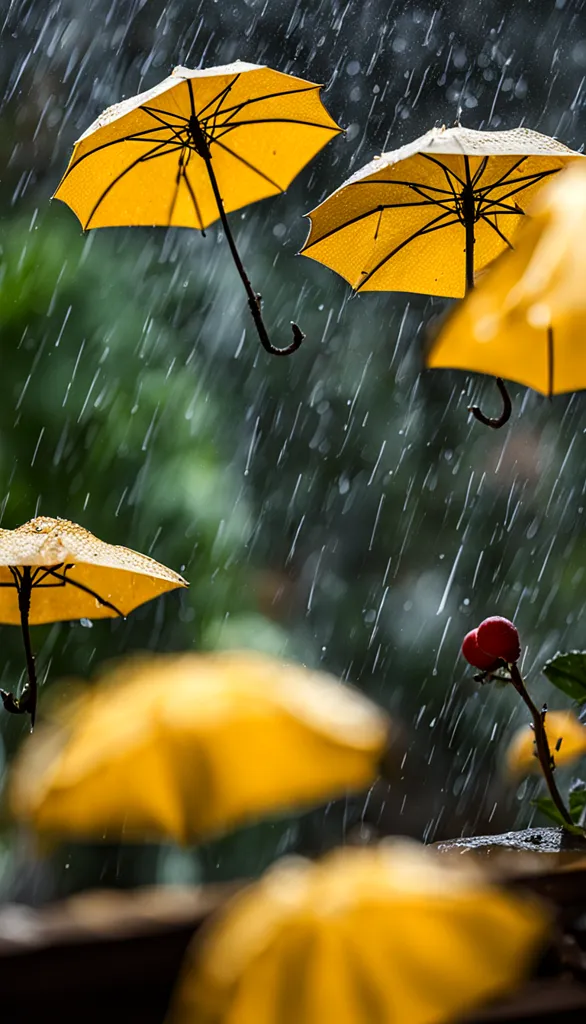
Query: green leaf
[577,800]
[568,673]
[547,807]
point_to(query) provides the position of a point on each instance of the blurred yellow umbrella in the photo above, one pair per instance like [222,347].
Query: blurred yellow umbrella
[199,144]
[427,216]
[187,746]
[52,570]
[389,933]
[526,320]
[566,737]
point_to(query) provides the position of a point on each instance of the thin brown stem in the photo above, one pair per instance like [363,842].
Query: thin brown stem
[541,743]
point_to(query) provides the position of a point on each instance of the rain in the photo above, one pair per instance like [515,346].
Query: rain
[339,507]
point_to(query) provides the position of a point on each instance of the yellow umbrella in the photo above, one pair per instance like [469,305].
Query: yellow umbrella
[52,570]
[526,320]
[426,217]
[199,144]
[566,740]
[391,933]
[187,746]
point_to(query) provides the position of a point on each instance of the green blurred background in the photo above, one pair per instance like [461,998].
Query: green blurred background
[339,507]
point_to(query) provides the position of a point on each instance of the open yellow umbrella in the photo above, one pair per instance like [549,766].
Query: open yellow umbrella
[186,746]
[199,144]
[428,216]
[392,933]
[526,320]
[52,570]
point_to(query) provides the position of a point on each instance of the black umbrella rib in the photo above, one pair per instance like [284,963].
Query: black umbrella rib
[497,229]
[221,96]
[106,145]
[267,96]
[408,184]
[364,216]
[432,225]
[193,196]
[117,179]
[531,179]
[497,206]
[160,115]
[224,129]
[447,170]
[246,163]
[86,590]
[503,178]
[480,171]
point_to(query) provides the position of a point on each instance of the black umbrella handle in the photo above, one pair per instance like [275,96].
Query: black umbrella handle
[495,421]
[254,300]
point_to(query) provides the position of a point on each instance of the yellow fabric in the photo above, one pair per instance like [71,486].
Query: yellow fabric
[501,328]
[138,163]
[123,577]
[396,225]
[389,933]
[561,727]
[186,746]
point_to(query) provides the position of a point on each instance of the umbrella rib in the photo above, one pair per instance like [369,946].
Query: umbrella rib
[503,208]
[447,170]
[497,229]
[86,590]
[408,184]
[530,179]
[154,111]
[433,225]
[480,171]
[224,129]
[267,96]
[221,96]
[191,191]
[363,216]
[117,179]
[503,178]
[247,164]
[178,177]
[105,145]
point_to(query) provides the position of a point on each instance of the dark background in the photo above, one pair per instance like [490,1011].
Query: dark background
[340,506]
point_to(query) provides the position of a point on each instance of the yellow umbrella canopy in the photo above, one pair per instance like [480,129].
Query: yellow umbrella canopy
[388,933]
[199,144]
[188,746]
[526,320]
[52,570]
[426,216]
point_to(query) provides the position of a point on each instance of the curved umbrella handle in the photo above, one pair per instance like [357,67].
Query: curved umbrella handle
[255,304]
[495,421]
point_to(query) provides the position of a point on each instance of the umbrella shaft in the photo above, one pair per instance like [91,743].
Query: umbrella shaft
[468,215]
[24,604]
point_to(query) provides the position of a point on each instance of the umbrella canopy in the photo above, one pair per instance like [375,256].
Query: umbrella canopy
[199,144]
[425,217]
[390,933]
[187,746]
[142,161]
[74,575]
[52,570]
[526,320]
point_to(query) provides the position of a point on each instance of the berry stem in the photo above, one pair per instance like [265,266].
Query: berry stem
[541,742]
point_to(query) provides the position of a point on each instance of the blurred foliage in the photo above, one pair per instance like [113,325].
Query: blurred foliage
[339,504]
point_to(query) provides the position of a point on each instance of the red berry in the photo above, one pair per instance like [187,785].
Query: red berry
[473,653]
[499,638]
